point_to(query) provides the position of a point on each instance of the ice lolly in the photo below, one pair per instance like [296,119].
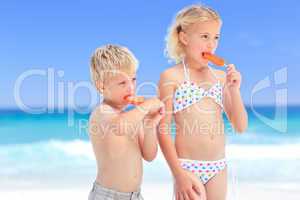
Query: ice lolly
[135,100]
[214,59]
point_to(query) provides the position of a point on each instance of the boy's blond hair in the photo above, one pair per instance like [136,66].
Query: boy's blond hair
[184,18]
[110,59]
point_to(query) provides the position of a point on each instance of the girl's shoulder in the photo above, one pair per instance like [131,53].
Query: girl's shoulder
[172,73]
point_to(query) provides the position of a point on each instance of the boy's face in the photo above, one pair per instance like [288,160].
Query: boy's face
[202,37]
[119,86]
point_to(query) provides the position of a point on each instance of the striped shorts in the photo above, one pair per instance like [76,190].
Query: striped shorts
[101,193]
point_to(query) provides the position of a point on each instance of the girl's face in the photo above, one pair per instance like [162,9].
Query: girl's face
[201,37]
[120,86]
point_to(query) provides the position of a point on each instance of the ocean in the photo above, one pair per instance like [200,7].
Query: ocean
[42,150]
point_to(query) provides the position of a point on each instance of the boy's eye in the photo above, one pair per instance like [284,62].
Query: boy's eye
[217,37]
[134,79]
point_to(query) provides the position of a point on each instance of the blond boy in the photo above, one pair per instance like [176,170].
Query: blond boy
[120,139]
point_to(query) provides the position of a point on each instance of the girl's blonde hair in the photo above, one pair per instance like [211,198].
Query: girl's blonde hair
[109,60]
[184,18]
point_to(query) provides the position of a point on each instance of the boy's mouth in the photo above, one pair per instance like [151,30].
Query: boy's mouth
[126,96]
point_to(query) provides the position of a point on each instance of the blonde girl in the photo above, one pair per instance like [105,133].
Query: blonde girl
[195,95]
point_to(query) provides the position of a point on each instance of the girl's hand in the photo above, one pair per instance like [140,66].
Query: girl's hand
[188,189]
[233,77]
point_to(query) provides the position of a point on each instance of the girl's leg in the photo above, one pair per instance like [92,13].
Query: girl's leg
[216,187]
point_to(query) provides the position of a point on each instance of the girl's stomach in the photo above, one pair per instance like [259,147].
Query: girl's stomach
[200,136]
[200,147]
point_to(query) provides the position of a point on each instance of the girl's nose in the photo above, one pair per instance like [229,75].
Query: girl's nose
[211,44]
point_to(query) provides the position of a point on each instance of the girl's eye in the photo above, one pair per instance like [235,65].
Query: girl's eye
[122,83]
[217,37]
[134,79]
[204,36]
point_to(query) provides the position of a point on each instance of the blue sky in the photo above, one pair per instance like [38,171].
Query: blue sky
[259,37]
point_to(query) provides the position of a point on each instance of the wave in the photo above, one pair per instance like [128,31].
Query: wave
[52,158]
[254,152]
[83,149]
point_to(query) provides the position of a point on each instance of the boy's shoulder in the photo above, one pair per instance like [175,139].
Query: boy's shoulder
[102,111]
[99,118]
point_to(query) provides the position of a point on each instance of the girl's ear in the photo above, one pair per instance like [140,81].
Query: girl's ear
[100,86]
[183,37]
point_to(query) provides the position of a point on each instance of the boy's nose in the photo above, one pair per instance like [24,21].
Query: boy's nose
[130,88]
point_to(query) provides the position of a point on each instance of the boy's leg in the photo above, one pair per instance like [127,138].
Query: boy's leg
[100,193]
[92,193]
[136,196]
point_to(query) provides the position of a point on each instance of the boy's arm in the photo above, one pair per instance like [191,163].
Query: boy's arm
[148,134]
[105,120]
[148,141]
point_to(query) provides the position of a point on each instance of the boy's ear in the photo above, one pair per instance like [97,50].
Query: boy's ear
[100,86]
[182,37]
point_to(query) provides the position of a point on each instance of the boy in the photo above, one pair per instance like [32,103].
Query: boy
[120,139]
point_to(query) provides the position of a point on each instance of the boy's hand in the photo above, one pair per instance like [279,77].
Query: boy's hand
[151,106]
[233,77]
[153,119]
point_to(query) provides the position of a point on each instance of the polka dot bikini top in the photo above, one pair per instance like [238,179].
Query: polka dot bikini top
[189,93]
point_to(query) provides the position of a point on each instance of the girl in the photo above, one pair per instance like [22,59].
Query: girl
[196,95]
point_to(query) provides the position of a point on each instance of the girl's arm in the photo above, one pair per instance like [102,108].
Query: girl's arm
[233,103]
[184,185]
[166,89]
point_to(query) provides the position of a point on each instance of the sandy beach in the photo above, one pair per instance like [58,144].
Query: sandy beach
[243,191]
